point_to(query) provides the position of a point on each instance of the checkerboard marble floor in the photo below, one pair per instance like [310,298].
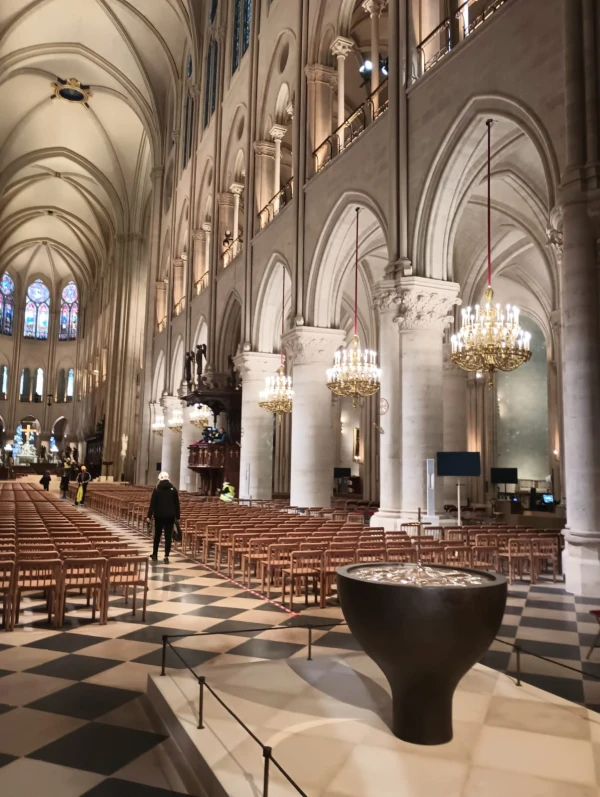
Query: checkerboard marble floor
[74,719]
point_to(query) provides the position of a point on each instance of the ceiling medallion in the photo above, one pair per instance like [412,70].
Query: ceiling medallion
[71,90]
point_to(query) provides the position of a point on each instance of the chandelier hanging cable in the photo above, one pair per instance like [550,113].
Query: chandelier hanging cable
[355,372]
[278,394]
[490,338]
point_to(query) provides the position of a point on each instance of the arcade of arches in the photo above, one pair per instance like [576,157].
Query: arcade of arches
[178,186]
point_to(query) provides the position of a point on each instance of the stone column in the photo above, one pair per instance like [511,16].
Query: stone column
[161,301]
[311,350]
[178,284]
[199,254]
[225,200]
[454,410]
[321,81]
[236,190]
[277,134]
[374,9]
[581,386]
[390,410]
[155,443]
[256,455]
[424,310]
[264,152]
[340,48]
[171,448]
[189,435]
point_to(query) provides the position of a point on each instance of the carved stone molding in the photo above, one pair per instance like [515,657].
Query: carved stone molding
[425,303]
[256,365]
[554,233]
[386,298]
[342,46]
[170,403]
[307,345]
[264,148]
[157,172]
[277,132]
[199,235]
[374,6]
[318,73]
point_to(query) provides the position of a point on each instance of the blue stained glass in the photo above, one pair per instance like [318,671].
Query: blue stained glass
[213,10]
[4,387]
[7,285]
[246,28]
[69,293]
[70,383]
[63,332]
[30,319]
[73,321]
[9,309]
[237,15]
[38,292]
[215,69]
[43,319]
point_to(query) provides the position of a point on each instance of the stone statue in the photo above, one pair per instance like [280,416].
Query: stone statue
[200,356]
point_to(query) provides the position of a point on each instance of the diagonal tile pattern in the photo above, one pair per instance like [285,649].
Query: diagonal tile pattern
[72,704]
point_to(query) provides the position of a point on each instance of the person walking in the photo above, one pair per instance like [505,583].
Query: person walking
[64,484]
[45,481]
[83,480]
[164,508]
[227,493]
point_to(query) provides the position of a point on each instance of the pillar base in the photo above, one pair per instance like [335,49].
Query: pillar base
[581,566]
[389,519]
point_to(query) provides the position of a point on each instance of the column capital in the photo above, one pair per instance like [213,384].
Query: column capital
[178,262]
[307,345]
[386,296]
[374,7]
[236,188]
[318,73]
[342,46]
[264,148]
[425,303]
[170,403]
[256,364]
[277,132]
[207,226]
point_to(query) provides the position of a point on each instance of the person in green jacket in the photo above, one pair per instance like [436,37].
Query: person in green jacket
[227,493]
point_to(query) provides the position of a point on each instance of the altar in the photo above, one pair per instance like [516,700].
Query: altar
[27,455]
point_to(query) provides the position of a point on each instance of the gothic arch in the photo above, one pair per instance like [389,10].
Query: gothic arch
[267,314]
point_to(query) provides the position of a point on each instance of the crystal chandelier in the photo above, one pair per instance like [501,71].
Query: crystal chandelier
[200,416]
[355,372]
[278,394]
[158,427]
[176,421]
[490,338]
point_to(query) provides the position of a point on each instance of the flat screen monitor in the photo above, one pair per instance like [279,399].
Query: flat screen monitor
[505,476]
[547,499]
[458,463]
[342,473]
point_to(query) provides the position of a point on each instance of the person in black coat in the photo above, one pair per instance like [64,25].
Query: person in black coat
[164,508]
[45,480]
[64,484]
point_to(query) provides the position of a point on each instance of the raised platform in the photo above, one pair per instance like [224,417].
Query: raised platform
[326,721]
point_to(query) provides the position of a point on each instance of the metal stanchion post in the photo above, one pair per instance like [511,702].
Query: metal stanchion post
[164,655]
[518,651]
[267,753]
[201,682]
[309,644]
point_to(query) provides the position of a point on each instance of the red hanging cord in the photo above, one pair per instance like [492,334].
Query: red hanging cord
[282,311]
[356,278]
[489,199]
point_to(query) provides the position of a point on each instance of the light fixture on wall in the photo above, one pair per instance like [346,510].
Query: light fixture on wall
[490,338]
[50,399]
[158,427]
[278,394]
[200,416]
[355,373]
[176,421]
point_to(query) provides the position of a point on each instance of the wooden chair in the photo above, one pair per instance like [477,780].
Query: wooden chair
[461,556]
[304,566]
[278,556]
[517,557]
[35,575]
[80,573]
[332,559]
[7,589]
[126,571]
[370,553]
[485,557]
[544,554]
[433,555]
[401,553]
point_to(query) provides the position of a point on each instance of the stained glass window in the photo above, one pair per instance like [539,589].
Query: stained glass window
[207,86]
[7,304]
[4,381]
[237,19]
[214,72]
[37,311]
[70,384]
[246,25]
[213,10]
[39,384]
[68,313]
[25,385]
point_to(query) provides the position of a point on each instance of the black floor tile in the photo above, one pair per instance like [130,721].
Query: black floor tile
[514,610]
[66,643]
[136,619]
[508,631]
[551,650]
[113,787]
[174,588]
[160,574]
[98,748]
[591,669]
[567,688]
[84,701]
[6,759]
[550,625]
[496,659]
[192,658]
[221,612]
[5,672]
[338,640]
[266,649]
[549,590]
[593,602]
[586,617]
[152,633]
[586,641]
[68,624]
[267,607]
[202,600]
[74,667]
[4,707]
[238,627]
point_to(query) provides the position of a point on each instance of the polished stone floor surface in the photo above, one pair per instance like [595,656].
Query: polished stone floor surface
[73,714]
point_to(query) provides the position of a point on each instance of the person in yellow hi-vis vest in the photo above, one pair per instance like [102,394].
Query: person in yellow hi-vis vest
[227,493]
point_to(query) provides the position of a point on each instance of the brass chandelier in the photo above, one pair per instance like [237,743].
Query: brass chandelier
[158,427]
[200,416]
[490,338]
[355,373]
[278,394]
[176,421]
